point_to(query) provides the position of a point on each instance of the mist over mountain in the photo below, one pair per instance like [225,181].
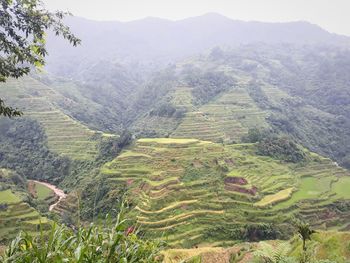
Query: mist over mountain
[133,71]
[154,41]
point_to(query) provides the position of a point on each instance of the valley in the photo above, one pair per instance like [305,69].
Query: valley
[217,149]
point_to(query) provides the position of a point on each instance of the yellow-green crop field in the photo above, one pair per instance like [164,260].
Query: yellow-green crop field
[183,189]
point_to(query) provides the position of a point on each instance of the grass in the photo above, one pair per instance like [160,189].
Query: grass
[333,246]
[180,255]
[208,254]
[162,182]
[169,207]
[127,154]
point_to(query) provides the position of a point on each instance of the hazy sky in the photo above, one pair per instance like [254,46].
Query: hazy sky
[333,15]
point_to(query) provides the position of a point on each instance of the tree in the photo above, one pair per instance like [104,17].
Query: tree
[281,148]
[305,233]
[256,135]
[23,27]
[8,111]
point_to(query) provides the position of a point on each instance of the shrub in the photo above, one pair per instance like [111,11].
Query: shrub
[109,148]
[208,84]
[255,135]
[281,148]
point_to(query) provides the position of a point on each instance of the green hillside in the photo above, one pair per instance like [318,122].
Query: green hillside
[199,100]
[65,135]
[193,191]
[15,213]
[227,118]
[221,95]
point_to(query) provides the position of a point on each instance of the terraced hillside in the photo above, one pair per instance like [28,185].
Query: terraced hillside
[180,98]
[227,118]
[15,214]
[65,135]
[222,94]
[192,191]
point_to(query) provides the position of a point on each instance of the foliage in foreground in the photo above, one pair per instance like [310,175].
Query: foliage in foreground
[94,244]
[23,26]
[284,252]
[280,253]
[273,254]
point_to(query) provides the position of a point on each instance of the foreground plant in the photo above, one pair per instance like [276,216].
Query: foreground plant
[277,253]
[305,232]
[94,244]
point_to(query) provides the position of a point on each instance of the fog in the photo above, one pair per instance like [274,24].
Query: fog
[331,15]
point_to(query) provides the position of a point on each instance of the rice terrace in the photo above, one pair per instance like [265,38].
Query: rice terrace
[213,138]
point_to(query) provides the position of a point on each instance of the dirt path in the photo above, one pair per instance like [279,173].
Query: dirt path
[61,195]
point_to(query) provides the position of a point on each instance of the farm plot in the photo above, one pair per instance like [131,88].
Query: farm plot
[227,118]
[16,215]
[183,189]
[65,135]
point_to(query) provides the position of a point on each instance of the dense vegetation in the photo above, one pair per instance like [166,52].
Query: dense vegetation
[281,148]
[324,247]
[24,149]
[206,85]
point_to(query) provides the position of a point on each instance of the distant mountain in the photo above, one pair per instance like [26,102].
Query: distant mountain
[154,40]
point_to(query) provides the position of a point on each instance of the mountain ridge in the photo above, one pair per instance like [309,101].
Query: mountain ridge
[159,41]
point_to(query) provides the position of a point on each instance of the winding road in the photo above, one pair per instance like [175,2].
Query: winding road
[59,192]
